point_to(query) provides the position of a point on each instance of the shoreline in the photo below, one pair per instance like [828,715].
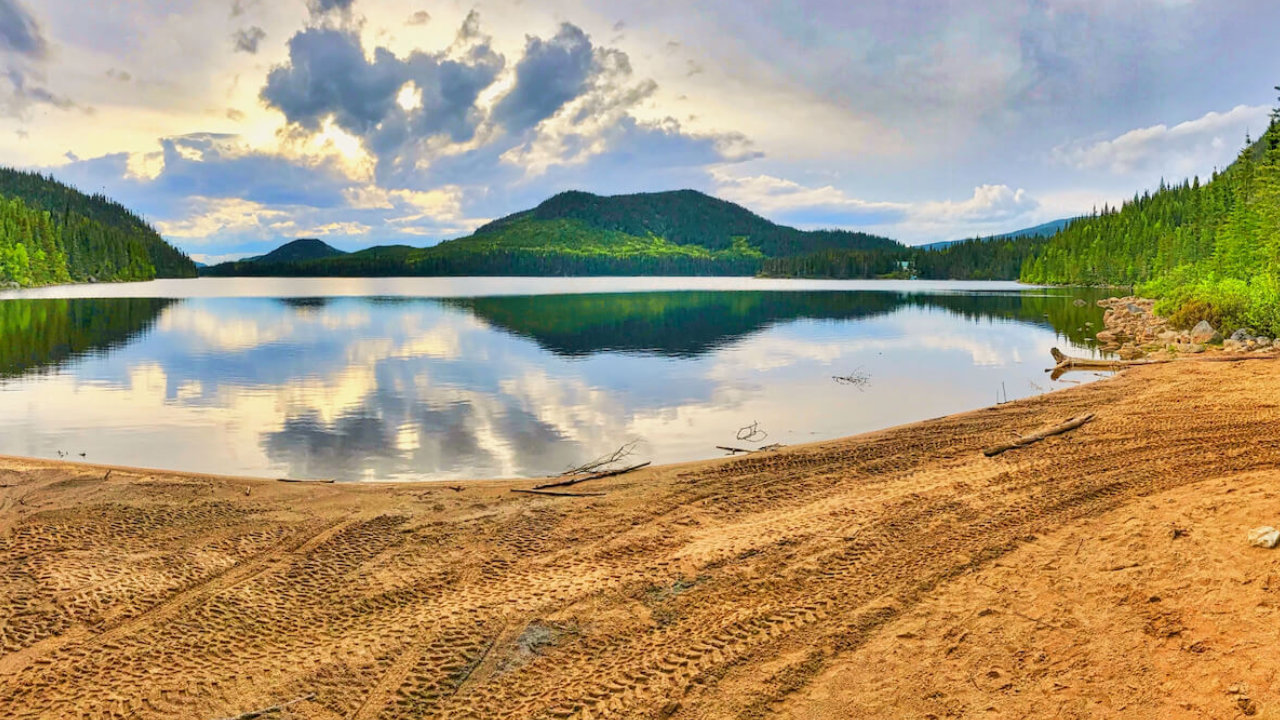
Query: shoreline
[801,583]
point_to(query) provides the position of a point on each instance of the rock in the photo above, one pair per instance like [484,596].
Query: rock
[1134,309]
[9,285]
[1106,336]
[1130,352]
[1168,336]
[1262,342]
[1192,348]
[1241,335]
[1264,537]
[1203,332]
[1232,345]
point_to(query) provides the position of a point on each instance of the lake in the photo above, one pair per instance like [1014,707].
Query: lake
[444,378]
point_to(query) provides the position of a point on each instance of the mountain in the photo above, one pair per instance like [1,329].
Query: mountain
[682,232]
[1043,230]
[299,250]
[1208,251]
[57,234]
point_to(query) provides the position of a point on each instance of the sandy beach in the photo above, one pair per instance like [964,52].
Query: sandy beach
[1104,572]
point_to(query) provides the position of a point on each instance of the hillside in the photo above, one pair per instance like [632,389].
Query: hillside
[54,233]
[1208,251]
[1048,229]
[299,250]
[682,232]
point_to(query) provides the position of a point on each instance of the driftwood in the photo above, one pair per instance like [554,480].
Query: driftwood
[1066,362]
[558,494]
[252,714]
[748,451]
[1036,437]
[611,458]
[593,476]
[312,482]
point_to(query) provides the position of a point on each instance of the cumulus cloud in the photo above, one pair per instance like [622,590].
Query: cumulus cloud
[551,73]
[323,7]
[248,39]
[422,118]
[23,47]
[421,17]
[1190,147]
[990,208]
[329,77]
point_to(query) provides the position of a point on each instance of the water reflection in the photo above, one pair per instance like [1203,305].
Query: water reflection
[396,388]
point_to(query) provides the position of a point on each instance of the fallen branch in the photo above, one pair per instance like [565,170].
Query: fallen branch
[611,458]
[311,482]
[593,476]
[558,494]
[273,709]
[1067,362]
[1036,437]
[748,451]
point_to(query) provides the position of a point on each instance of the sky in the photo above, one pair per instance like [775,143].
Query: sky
[237,125]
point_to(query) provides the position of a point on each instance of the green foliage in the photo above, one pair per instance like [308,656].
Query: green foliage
[1208,252]
[51,233]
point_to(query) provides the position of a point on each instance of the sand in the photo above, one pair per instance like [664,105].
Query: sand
[1100,573]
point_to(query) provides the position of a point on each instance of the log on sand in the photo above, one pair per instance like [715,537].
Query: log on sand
[548,493]
[592,476]
[1066,362]
[1036,437]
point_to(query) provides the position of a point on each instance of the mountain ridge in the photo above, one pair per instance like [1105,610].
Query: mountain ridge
[681,232]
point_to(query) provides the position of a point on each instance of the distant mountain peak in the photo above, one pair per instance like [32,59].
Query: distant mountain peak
[297,250]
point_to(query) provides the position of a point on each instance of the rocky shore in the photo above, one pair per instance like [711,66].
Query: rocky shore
[1134,331]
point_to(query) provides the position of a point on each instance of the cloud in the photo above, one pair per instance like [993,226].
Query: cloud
[23,46]
[789,201]
[328,76]
[1187,148]
[421,17]
[248,39]
[19,32]
[324,7]
[990,206]
[551,73]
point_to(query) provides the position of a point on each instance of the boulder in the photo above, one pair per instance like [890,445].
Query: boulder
[1191,348]
[1262,342]
[1168,336]
[1106,336]
[1130,352]
[1203,332]
[1134,309]
[1241,335]
[1233,345]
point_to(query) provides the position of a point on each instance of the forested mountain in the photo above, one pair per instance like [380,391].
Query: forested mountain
[1043,230]
[1208,251]
[575,233]
[53,233]
[297,251]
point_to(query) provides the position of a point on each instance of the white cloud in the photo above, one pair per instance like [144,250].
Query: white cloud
[1191,147]
[990,209]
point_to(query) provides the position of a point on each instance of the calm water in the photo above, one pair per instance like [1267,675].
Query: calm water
[430,379]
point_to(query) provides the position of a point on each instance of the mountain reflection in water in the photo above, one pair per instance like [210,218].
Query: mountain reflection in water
[402,388]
